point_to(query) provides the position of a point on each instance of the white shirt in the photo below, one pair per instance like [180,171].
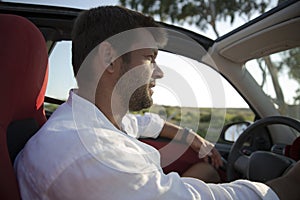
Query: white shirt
[148,125]
[79,154]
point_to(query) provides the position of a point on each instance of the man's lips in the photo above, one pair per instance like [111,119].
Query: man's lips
[151,85]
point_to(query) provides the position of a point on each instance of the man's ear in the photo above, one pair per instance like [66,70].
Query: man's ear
[106,54]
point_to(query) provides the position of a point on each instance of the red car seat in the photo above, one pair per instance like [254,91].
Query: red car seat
[23,79]
[293,150]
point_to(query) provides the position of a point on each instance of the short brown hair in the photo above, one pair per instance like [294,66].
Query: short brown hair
[98,24]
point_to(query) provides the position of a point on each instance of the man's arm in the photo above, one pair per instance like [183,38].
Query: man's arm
[204,148]
[151,125]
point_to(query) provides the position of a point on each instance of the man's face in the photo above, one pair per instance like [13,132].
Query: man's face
[141,72]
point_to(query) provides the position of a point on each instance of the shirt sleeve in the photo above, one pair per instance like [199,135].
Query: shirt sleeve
[85,182]
[239,189]
[148,125]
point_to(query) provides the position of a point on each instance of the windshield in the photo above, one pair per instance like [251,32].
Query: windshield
[279,77]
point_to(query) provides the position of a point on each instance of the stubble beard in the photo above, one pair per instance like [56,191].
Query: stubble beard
[140,99]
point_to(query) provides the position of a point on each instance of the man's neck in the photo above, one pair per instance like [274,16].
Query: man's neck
[114,111]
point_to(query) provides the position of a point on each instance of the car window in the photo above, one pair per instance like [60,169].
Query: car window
[188,95]
[194,95]
[61,77]
[279,77]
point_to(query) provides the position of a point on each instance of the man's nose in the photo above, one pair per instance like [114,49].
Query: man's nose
[157,73]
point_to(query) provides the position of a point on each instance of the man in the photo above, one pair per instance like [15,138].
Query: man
[82,152]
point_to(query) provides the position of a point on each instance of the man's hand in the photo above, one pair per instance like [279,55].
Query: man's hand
[205,149]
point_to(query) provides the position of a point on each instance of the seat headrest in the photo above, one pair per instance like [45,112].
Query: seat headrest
[23,72]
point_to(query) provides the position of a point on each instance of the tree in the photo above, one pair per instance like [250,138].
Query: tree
[291,60]
[202,13]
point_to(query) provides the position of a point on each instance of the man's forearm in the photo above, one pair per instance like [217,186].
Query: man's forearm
[171,131]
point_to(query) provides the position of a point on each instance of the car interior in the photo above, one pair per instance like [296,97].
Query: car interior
[31,33]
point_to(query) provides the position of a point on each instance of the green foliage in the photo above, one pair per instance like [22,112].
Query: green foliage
[238,118]
[291,60]
[50,107]
[199,118]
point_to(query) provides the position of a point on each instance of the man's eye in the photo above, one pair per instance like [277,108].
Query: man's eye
[151,58]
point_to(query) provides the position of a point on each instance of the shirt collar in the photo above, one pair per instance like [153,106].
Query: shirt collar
[84,106]
[106,143]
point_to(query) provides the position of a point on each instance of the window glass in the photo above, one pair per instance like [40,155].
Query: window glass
[194,95]
[279,77]
[190,94]
[61,76]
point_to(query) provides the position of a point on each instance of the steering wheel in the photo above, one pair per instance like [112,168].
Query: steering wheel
[237,161]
